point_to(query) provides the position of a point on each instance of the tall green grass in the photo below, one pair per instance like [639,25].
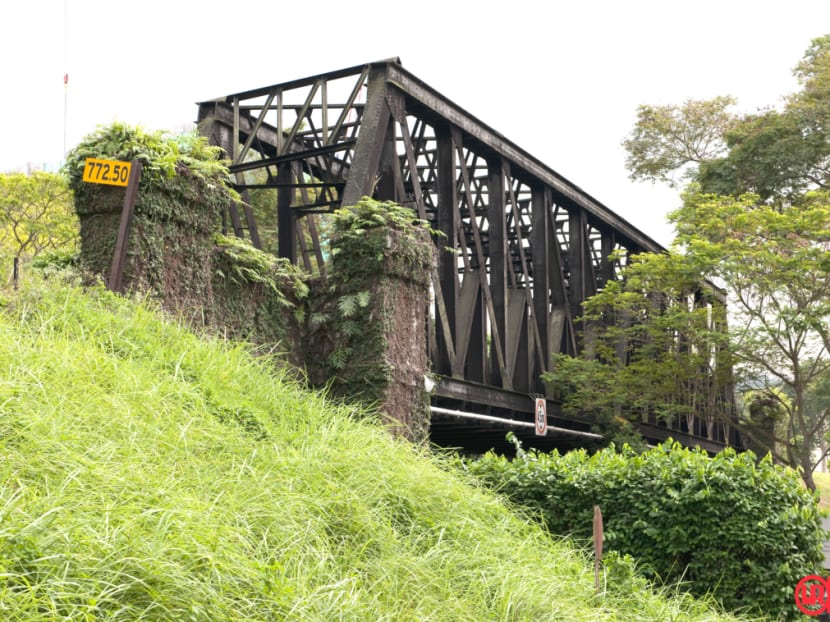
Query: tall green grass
[150,474]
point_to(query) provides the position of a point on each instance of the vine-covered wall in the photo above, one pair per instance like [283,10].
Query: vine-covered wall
[258,297]
[174,251]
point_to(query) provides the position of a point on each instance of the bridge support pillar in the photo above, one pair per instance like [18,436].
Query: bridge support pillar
[374,345]
[405,302]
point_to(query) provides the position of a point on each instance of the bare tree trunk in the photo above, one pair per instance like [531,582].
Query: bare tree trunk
[16,272]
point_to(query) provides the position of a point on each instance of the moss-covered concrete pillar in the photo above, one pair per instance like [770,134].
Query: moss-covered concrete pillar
[378,297]
[169,243]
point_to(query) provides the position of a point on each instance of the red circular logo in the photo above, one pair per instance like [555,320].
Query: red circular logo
[812,595]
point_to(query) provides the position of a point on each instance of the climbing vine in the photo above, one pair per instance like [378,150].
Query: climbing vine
[258,297]
[364,234]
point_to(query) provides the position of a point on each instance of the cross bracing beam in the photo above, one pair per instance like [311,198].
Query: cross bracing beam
[523,247]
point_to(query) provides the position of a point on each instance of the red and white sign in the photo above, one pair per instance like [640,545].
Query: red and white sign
[812,595]
[541,416]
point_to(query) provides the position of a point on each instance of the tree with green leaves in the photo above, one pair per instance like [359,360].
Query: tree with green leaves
[777,154]
[755,219]
[776,265]
[36,215]
[668,142]
[655,347]
[659,347]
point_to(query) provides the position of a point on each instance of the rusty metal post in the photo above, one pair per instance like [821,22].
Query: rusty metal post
[498,266]
[447,222]
[120,254]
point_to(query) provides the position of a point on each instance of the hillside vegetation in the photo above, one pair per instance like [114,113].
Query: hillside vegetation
[731,526]
[150,474]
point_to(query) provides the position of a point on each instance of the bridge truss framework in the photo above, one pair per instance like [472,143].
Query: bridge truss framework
[523,246]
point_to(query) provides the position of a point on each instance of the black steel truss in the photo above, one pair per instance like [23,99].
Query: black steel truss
[523,246]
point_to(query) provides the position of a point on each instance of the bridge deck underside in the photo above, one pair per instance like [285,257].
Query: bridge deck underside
[522,247]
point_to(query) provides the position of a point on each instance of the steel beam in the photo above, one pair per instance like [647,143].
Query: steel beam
[497,234]
[447,223]
[286,222]
[371,139]
[540,246]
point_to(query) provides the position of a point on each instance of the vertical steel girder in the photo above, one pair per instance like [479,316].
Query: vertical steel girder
[520,250]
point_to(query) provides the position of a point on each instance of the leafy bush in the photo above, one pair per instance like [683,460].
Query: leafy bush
[743,530]
[158,152]
[362,240]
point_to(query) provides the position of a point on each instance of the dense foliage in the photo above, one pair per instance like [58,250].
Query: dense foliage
[149,474]
[657,349]
[775,153]
[776,265]
[742,530]
[246,264]
[257,297]
[360,233]
[669,142]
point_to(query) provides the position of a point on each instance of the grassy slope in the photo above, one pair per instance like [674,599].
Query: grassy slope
[148,474]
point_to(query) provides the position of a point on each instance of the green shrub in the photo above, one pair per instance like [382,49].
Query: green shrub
[731,526]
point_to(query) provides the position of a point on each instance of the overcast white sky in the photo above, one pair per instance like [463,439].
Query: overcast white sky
[560,79]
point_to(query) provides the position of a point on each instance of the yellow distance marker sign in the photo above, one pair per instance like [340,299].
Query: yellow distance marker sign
[110,172]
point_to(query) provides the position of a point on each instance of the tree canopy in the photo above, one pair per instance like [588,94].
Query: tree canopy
[671,140]
[754,220]
[776,266]
[777,154]
[656,346]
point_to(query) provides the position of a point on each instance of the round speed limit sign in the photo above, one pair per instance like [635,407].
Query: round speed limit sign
[541,417]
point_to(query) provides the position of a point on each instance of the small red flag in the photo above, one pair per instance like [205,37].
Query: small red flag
[65,79]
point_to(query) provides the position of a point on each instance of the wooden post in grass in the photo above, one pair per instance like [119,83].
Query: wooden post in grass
[598,536]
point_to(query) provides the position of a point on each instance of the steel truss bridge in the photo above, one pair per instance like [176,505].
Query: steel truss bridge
[524,247]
